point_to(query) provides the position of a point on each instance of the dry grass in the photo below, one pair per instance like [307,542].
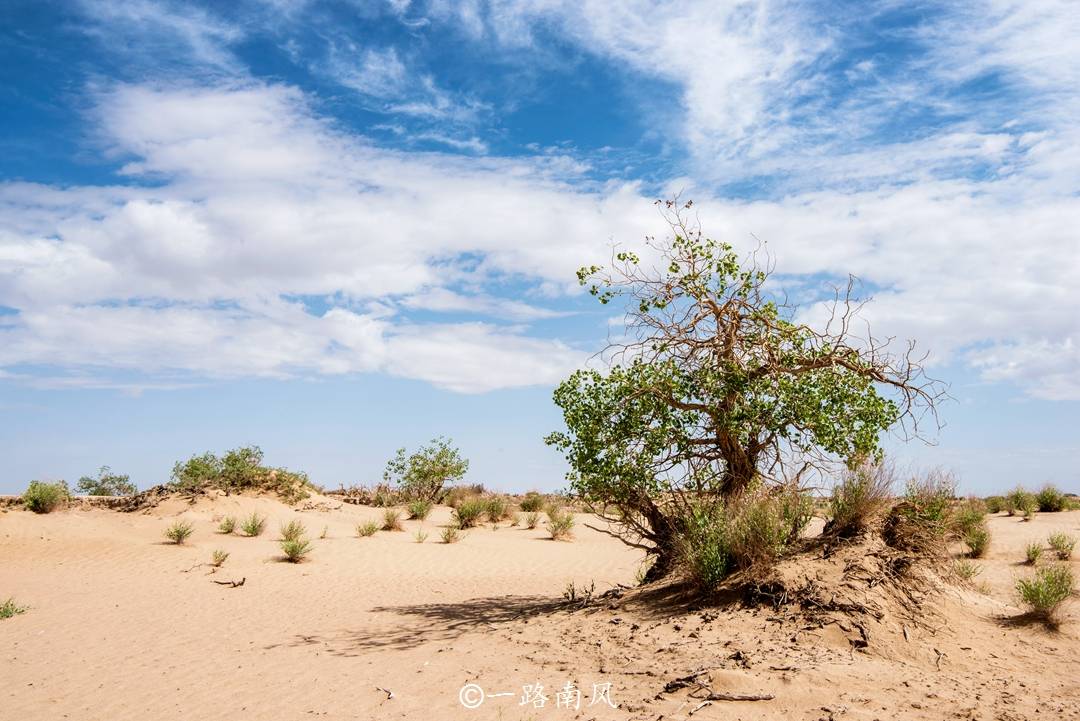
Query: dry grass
[367,529]
[392,520]
[218,557]
[451,535]
[227,525]
[179,532]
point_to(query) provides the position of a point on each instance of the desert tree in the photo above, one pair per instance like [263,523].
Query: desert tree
[422,475]
[717,386]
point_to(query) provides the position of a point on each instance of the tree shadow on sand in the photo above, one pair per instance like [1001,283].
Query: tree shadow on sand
[428,623]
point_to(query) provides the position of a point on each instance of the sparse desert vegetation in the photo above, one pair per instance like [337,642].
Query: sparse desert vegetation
[392,520]
[1062,545]
[450,534]
[218,558]
[227,525]
[367,529]
[295,550]
[106,483]
[469,512]
[1046,591]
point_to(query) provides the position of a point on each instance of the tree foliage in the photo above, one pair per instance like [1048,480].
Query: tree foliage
[107,483]
[423,474]
[717,384]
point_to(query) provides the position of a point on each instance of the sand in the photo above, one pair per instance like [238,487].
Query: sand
[123,625]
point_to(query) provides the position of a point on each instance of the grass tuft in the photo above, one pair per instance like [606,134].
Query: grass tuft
[218,557]
[532,519]
[858,499]
[367,529]
[560,525]
[179,531]
[1033,553]
[469,512]
[227,525]
[1063,545]
[9,608]
[967,570]
[296,550]
[253,525]
[292,531]
[451,535]
[392,520]
[421,535]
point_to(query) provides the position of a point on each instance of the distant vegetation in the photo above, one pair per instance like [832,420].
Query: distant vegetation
[240,469]
[107,483]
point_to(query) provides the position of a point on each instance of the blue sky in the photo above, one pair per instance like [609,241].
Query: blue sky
[335,228]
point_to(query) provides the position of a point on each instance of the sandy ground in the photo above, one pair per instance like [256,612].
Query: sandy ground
[125,626]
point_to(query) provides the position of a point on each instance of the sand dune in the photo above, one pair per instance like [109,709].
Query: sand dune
[123,625]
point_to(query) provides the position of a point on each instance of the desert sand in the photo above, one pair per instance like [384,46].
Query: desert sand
[124,625]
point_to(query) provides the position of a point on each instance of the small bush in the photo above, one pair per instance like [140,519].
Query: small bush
[969,516]
[218,557]
[469,512]
[392,520]
[451,535]
[1016,500]
[967,570]
[1030,508]
[1051,500]
[994,504]
[1046,590]
[253,525]
[420,510]
[9,608]
[179,531]
[497,509]
[561,525]
[532,519]
[227,525]
[421,536]
[106,484]
[978,541]
[44,497]
[292,531]
[296,549]
[1033,552]
[533,502]
[922,520]
[859,497]
[705,548]
[1062,544]
[367,528]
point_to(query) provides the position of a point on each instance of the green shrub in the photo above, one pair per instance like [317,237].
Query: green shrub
[392,520]
[532,519]
[179,531]
[978,541]
[253,525]
[995,504]
[9,608]
[44,497]
[497,509]
[292,531]
[967,570]
[106,484]
[419,510]
[561,525]
[533,502]
[1030,508]
[705,548]
[421,535]
[1046,590]
[469,512]
[1033,552]
[861,495]
[227,525]
[1016,500]
[218,557]
[451,535]
[1062,544]
[296,549]
[1051,500]
[367,528]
